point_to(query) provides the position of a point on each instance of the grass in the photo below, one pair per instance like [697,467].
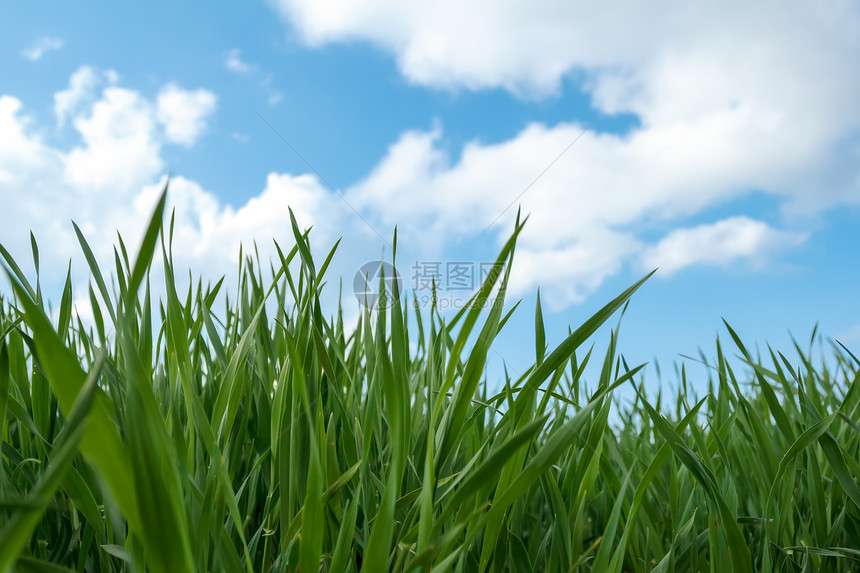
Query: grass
[171,436]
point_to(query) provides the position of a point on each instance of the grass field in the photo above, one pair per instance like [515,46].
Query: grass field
[177,435]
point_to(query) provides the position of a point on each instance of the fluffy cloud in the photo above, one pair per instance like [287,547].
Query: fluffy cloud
[233,61]
[183,113]
[82,90]
[82,87]
[731,98]
[531,46]
[208,233]
[121,131]
[42,45]
[718,244]
[120,152]
[110,182]
[585,210]
[120,142]
[570,272]
[22,155]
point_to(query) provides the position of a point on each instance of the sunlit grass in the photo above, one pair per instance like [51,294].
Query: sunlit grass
[174,435]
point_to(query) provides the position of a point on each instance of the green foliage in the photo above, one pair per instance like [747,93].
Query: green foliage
[177,437]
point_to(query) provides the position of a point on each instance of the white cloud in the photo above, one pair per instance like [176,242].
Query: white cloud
[121,145]
[82,90]
[22,155]
[233,61]
[110,181]
[731,98]
[94,182]
[42,46]
[83,307]
[719,244]
[531,46]
[569,273]
[183,114]
[730,77]
[209,233]
[585,208]
[122,131]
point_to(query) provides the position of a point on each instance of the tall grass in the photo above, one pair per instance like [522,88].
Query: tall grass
[176,436]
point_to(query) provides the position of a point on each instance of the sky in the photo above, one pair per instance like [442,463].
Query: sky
[719,143]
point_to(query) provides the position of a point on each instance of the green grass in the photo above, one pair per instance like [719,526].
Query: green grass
[174,435]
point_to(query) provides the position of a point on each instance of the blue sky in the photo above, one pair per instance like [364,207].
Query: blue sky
[719,143]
